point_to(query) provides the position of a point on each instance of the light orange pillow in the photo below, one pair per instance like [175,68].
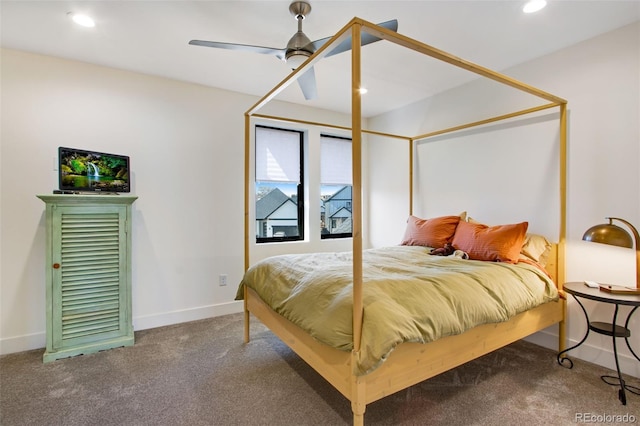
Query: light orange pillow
[435,232]
[536,248]
[500,243]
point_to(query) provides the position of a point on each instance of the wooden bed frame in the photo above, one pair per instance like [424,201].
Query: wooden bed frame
[409,363]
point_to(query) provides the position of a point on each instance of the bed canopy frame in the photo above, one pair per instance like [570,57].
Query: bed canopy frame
[409,363]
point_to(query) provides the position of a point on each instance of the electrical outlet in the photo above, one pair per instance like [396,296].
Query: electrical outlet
[223,279]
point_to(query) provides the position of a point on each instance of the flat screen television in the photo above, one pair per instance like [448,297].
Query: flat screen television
[82,170]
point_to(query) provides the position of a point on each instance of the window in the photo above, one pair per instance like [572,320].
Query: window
[335,187]
[279,189]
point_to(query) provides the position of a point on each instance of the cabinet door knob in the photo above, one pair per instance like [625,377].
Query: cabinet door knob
[56,266]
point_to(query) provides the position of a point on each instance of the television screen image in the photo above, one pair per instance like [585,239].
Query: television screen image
[82,170]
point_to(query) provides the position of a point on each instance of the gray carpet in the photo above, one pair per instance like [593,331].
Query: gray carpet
[201,373]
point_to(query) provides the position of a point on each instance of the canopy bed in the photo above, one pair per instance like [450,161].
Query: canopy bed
[363,369]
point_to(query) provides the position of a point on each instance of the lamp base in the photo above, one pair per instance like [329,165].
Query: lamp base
[618,289]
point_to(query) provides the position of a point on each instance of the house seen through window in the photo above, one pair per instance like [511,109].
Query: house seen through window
[335,187]
[280,191]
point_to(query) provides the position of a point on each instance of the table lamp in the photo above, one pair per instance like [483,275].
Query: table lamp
[614,235]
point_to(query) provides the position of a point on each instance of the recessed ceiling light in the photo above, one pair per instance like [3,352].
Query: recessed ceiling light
[534,6]
[80,19]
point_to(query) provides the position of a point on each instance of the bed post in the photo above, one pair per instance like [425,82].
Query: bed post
[560,276]
[411,176]
[357,398]
[356,145]
[247,144]
[357,385]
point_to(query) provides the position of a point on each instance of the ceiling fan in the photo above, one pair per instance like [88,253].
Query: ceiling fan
[299,47]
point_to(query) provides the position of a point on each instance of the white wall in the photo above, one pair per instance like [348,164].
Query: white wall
[467,171]
[186,144]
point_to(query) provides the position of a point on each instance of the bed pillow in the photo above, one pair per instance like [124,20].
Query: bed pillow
[501,243]
[536,248]
[434,232]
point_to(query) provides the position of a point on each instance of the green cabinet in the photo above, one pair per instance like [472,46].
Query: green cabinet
[88,273]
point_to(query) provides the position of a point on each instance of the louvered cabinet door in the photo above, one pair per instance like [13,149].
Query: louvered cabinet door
[88,289]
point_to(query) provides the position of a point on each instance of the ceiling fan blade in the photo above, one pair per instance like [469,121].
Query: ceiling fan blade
[346,44]
[307,82]
[279,53]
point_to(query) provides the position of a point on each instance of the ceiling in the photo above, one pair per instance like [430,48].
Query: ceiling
[152,37]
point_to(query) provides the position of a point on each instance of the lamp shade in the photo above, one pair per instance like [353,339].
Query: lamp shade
[616,236]
[608,233]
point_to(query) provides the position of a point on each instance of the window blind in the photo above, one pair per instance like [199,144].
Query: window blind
[277,155]
[335,161]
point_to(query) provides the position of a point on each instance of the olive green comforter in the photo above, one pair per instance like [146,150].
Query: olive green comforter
[409,296]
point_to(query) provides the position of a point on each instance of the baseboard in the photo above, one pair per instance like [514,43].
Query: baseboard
[597,355]
[39,340]
[186,315]
[27,342]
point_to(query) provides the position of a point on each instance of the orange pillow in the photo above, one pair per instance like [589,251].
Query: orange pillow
[435,232]
[500,243]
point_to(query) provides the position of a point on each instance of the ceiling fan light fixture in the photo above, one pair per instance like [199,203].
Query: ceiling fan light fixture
[296,51]
[533,6]
[295,58]
[82,20]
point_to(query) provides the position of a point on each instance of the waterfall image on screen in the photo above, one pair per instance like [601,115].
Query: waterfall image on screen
[82,170]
